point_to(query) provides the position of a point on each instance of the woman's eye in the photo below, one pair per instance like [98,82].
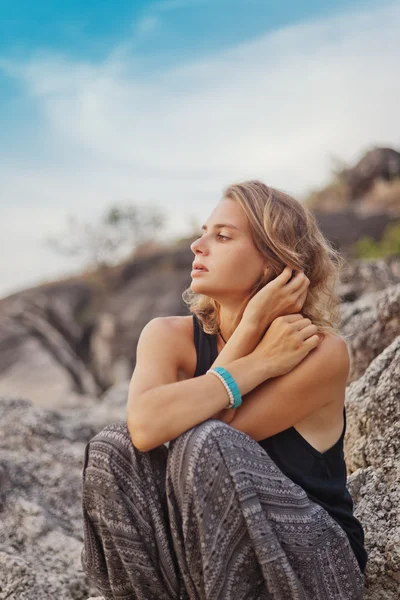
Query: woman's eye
[222,237]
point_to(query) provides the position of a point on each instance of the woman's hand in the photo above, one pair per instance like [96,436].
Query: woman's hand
[277,298]
[288,340]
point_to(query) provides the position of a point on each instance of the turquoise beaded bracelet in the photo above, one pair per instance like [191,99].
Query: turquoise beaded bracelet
[235,398]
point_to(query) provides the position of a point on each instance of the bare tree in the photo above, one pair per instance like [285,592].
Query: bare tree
[121,229]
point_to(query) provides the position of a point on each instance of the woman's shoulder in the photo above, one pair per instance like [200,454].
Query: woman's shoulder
[178,324]
[333,340]
[334,352]
[181,341]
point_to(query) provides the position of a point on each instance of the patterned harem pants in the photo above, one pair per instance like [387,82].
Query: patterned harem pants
[209,518]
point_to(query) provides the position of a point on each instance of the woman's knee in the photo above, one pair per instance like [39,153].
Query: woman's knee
[193,440]
[189,453]
[105,451]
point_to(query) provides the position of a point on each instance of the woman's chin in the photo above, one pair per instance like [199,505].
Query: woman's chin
[205,290]
[196,285]
[200,287]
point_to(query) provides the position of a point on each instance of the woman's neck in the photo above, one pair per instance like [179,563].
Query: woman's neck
[226,320]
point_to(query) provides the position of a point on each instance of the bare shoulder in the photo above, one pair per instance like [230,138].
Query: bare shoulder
[332,354]
[180,327]
[178,338]
[162,355]
[172,324]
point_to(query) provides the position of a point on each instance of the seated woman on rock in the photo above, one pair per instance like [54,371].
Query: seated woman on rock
[249,499]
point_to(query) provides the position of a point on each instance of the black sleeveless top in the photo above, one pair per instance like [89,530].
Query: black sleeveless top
[321,475]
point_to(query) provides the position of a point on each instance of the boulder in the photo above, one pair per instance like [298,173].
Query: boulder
[372,450]
[369,325]
[377,164]
[43,345]
[360,277]
[41,535]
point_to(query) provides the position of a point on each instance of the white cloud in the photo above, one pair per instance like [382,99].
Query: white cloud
[275,108]
[145,26]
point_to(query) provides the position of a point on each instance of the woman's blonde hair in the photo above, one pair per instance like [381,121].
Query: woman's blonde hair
[285,233]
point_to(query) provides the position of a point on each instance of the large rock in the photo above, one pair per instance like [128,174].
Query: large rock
[377,505]
[344,227]
[41,535]
[373,404]
[361,277]
[369,325]
[43,345]
[372,449]
[378,163]
[65,341]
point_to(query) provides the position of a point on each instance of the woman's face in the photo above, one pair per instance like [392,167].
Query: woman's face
[232,261]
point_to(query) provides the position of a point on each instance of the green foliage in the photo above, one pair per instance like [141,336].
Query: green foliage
[367,247]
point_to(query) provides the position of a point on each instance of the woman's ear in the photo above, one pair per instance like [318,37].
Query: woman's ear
[267,274]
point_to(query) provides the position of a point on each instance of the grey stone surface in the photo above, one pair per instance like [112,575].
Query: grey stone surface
[41,530]
[369,325]
[372,449]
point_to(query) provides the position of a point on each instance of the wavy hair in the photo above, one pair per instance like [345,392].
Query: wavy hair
[285,233]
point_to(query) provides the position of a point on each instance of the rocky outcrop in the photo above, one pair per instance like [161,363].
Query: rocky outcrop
[41,460]
[363,194]
[361,277]
[68,340]
[41,533]
[344,227]
[377,164]
[372,447]
[43,345]
[369,325]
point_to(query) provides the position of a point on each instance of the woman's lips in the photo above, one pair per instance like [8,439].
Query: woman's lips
[198,272]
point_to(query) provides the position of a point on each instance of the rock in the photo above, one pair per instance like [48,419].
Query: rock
[41,459]
[377,505]
[372,450]
[379,163]
[99,412]
[43,345]
[344,227]
[369,325]
[361,277]
[373,403]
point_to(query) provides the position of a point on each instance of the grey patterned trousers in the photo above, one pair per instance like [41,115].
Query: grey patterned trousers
[209,518]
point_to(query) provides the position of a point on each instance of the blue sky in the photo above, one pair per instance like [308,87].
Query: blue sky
[167,102]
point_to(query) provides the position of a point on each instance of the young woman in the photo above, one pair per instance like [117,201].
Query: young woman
[249,500]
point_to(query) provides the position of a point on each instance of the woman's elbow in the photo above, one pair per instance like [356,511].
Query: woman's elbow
[136,431]
[143,437]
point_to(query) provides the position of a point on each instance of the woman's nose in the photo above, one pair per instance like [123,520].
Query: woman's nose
[195,246]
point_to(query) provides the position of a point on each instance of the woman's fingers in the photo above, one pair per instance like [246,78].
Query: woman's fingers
[298,282]
[284,277]
[308,331]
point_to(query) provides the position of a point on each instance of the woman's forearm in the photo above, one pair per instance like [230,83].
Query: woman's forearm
[241,343]
[162,413]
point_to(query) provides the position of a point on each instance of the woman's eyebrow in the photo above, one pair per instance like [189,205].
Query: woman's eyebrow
[204,227]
